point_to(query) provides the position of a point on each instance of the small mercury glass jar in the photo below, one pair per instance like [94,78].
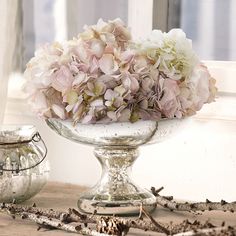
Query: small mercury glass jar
[24,169]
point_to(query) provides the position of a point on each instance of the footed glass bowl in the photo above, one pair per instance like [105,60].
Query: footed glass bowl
[116,148]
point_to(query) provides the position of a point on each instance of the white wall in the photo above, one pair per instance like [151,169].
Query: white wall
[197,164]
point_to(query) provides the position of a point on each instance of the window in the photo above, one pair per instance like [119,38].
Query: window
[52,20]
[209,23]
[204,21]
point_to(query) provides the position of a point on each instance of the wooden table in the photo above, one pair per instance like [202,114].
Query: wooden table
[63,196]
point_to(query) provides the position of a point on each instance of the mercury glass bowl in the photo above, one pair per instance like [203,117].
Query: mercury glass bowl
[116,148]
[23,167]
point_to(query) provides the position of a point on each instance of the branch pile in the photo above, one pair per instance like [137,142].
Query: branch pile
[95,225]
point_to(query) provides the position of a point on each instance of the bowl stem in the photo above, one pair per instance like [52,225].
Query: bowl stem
[116,193]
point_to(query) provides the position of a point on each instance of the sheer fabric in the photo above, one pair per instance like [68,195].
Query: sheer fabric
[8,26]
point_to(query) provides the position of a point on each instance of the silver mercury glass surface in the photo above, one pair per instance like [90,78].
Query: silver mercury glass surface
[23,168]
[116,148]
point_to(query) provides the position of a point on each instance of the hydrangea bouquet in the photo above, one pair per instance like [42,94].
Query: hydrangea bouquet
[108,81]
[104,76]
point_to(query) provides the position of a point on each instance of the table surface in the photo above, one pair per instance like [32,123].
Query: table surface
[61,196]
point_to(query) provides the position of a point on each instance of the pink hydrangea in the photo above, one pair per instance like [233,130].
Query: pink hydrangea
[104,76]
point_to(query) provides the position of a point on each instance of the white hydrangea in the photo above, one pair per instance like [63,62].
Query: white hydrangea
[171,52]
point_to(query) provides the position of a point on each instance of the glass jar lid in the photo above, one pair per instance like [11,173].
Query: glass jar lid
[12,137]
[12,134]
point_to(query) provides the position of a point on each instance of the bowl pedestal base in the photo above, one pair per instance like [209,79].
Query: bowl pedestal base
[115,193]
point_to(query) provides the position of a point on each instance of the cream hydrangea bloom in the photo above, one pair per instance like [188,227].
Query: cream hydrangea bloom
[171,52]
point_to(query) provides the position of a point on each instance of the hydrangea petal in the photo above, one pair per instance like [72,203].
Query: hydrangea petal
[107,64]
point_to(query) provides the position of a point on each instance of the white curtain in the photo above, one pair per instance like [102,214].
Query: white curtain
[9,24]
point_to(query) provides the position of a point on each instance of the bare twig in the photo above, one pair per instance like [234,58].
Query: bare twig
[168,202]
[157,225]
[198,206]
[156,191]
[219,231]
[57,224]
[74,216]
